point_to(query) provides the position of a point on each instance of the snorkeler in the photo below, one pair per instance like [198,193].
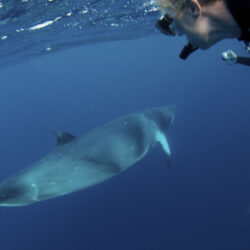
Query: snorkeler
[206,22]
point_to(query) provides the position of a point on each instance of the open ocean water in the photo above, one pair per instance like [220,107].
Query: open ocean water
[201,203]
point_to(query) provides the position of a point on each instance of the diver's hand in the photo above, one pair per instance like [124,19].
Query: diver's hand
[230,57]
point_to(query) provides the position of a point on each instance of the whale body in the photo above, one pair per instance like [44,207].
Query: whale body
[80,162]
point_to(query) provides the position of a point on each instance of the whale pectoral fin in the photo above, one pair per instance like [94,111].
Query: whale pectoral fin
[161,138]
[63,137]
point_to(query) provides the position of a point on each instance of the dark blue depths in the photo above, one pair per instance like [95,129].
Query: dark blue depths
[201,202]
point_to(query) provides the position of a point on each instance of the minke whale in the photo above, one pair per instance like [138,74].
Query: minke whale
[80,162]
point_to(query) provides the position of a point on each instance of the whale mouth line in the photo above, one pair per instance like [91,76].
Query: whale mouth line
[12,204]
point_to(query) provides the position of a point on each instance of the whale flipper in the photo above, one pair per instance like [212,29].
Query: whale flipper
[161,138]
[63,137]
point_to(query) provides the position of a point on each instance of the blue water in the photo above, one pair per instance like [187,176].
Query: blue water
[32,28]
[201,202]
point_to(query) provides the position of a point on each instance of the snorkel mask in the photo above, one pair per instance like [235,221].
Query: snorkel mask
[164,24]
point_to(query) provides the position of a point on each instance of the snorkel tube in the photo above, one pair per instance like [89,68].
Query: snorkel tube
[187,51]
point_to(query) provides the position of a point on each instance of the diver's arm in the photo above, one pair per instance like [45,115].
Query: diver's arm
[231,58]
[243,60]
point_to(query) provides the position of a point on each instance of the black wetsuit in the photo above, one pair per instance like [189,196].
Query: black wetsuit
[240,10]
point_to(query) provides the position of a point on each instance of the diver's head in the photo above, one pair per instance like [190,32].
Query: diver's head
[203,22]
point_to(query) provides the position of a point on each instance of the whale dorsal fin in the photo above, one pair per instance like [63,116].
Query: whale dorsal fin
[63,137]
